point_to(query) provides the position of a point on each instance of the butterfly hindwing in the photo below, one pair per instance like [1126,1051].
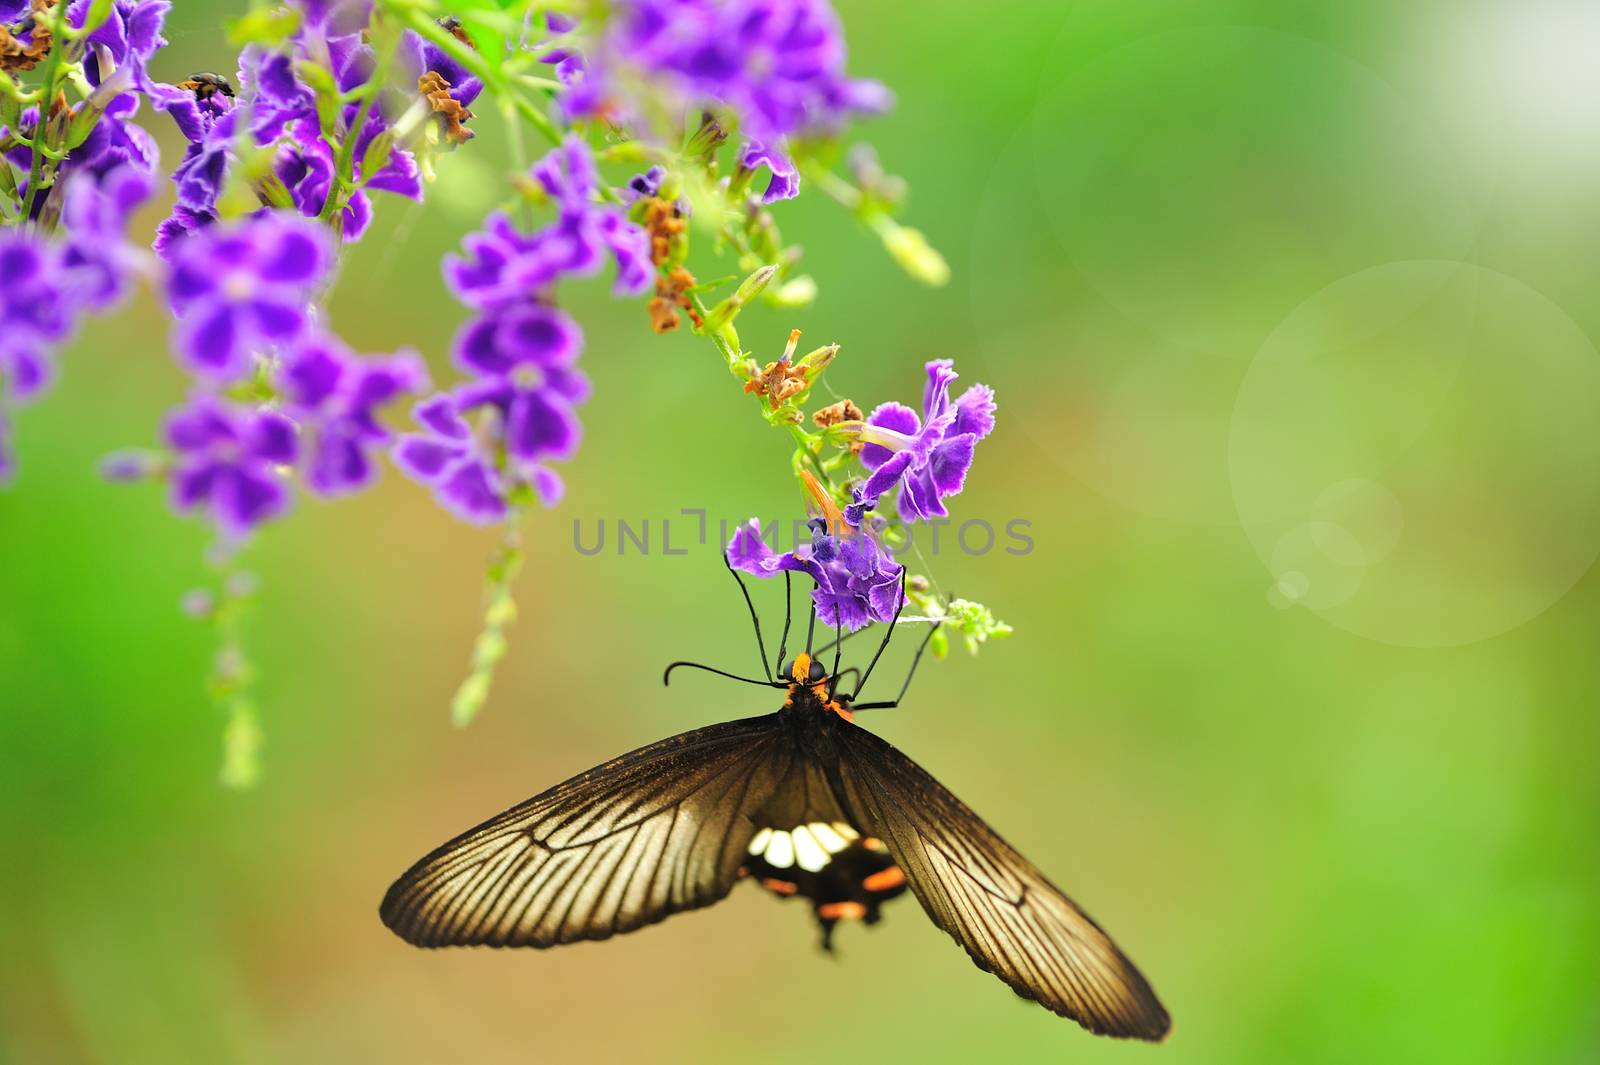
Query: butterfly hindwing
[654,832]
[1011,920]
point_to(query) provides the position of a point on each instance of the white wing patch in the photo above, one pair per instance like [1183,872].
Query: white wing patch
[810,846]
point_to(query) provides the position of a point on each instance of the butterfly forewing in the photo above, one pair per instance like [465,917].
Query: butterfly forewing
[1011,920]
[628,843]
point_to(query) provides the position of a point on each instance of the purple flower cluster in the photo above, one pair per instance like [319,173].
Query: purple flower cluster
[336,397]
[114,65]
[927,458]
[494,434]
[242,289]
[46,285]
[276,109]
[777,64]
[243,293]
[857,582]
[230,462]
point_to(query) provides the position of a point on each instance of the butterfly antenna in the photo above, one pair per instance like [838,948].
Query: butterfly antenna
[761,647]
[923,646]
[666,678]
[811,626]
[838,646]
[887,636]
[788,615]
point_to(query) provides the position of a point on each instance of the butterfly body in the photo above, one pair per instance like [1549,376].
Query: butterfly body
[803,802]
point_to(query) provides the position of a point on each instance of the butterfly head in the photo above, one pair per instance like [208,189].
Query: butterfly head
[809,687]
[803,669]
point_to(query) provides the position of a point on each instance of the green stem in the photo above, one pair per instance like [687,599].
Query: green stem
[500,610]
[231,681]
[345,168]
[52,70]
[427,28]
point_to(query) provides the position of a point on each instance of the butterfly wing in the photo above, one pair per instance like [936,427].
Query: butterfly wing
[1011,920]
[628,843]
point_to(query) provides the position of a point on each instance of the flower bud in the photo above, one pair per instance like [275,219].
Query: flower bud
[915,255]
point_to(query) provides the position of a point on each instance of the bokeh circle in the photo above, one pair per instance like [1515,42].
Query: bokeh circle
[1415,454]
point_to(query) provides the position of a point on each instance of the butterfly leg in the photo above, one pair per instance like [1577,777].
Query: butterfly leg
[761,646]
[887,636]
[912,672]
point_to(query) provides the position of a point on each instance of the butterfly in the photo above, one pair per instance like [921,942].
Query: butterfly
[804,803]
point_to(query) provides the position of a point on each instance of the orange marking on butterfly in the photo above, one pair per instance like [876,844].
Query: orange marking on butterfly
[841,911]
[840,710]
[779,887]
[885,879]
[800,672]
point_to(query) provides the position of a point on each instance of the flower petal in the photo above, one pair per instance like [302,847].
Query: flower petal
[886,476]
[749,552]
[975,412]
[273,438]
[470,491]
[539,334]
[339,465]
[948,464]
[424,457]
[477,347]
[936,393]
[896,417]
[314,372]
[296,254]
[541,426]
[209,342]
[440,414]
[245,497]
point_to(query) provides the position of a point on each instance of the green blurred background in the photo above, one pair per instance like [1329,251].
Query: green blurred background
[1287,308]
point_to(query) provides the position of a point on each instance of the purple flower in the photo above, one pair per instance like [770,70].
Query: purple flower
[524,400]
[519,338]
[421,57]
[45,286]
[35,313]
[645,185]
[926,457]
[336,397]
[779,64]
[227,462]
[856,581]
[785,181]
[502,264]
[112,142]
[276,109]
[243,287]
[489,441]
[122,45]
[464,467]
[97,255]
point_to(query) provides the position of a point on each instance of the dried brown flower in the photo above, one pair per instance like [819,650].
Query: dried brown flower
[452,114]
[19,55]
[666,224]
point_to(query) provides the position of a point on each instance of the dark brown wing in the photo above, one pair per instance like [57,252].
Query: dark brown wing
[656,831]
[1012,921]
